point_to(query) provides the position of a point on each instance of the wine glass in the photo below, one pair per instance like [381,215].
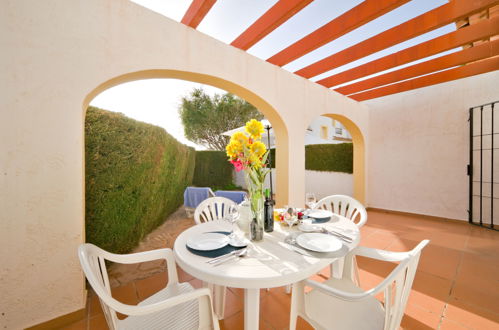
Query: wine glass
[290,216]
[232,215]
[291,220]
[310,200]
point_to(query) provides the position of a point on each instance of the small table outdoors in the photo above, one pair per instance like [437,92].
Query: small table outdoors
[274,266]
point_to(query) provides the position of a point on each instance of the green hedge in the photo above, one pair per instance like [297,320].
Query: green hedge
[329,157]
[326,157]
[213,170]
[136,174]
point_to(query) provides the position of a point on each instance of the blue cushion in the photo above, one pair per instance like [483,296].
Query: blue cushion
[235,196]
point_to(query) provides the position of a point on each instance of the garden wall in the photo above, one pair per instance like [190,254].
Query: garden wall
[135,176]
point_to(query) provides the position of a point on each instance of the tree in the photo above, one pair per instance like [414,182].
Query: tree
[205,118]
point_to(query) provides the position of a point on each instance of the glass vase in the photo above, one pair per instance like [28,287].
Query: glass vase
[255,192]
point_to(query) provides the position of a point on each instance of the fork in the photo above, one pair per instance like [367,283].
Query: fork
[223,256]
[239,254]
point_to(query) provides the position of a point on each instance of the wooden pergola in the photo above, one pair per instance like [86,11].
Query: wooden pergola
[477,33]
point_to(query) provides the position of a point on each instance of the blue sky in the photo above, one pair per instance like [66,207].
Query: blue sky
[156,101]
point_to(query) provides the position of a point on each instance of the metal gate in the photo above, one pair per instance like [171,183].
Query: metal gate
[483,168]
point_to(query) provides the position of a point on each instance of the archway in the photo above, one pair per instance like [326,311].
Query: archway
[269,112]
[358,155]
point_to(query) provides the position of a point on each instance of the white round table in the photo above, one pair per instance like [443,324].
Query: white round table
[274,265]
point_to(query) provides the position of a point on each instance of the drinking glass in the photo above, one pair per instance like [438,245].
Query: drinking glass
[310,200]
[232,215]
[290,216]
[290,220]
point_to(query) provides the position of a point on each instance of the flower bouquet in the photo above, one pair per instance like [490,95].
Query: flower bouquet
[247,153]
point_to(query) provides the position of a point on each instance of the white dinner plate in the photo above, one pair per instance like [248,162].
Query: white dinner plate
[319,214]
[308,228]
[319,242]
[208,241]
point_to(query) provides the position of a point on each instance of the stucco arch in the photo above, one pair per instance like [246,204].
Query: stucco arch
[251,97]
[359,155]
[263,106]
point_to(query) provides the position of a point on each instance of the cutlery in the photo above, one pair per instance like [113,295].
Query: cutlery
[238,254]
[223,256]
[296,249]
[341,234]
[347,239]
[337,234]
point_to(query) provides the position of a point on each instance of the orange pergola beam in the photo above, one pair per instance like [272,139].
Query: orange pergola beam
[433,19]
[349,21]
[268,22]
[196,12]
[468,70]
[482,51]
[482,30]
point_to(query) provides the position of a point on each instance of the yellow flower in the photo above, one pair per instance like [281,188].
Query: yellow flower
[230,151]
[233,149]
[254,128]
[240,138]
[255,161]
[258,148]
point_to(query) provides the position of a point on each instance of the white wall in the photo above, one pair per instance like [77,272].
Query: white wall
[419,147]
[322,184]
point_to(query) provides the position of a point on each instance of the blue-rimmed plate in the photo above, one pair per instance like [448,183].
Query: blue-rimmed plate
[208,241]
[320,215]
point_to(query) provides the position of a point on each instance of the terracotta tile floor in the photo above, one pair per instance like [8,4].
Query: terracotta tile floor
[456,286]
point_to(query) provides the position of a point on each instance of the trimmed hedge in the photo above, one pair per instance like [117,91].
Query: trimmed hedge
[213,170]
[329,157]
[136,174]
[326,157]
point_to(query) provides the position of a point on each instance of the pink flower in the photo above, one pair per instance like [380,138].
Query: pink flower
[238,165]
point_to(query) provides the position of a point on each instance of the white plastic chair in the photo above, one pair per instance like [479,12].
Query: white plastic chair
[350,208]
[177,306]
[213,208]
[345,206]
[340,304]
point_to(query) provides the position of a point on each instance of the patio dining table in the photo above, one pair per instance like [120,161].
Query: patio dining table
[272,263]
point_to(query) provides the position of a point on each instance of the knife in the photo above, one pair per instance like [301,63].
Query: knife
[347,239]
[223,256]
[296,249]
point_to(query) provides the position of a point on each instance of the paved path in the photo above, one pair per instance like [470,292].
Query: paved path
[161,237]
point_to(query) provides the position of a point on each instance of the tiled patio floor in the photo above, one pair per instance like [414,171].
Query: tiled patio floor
[456,286]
